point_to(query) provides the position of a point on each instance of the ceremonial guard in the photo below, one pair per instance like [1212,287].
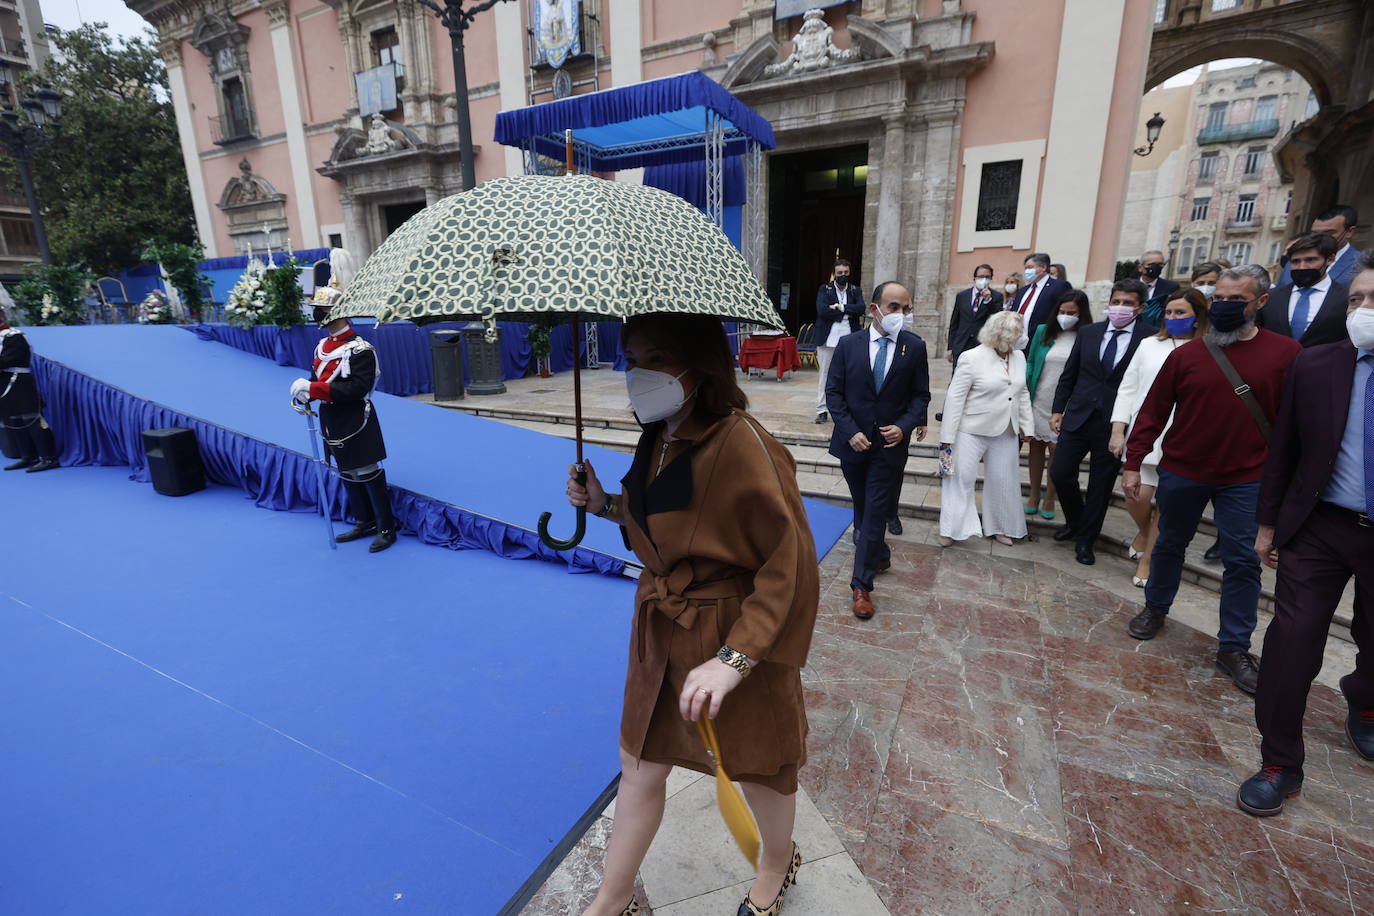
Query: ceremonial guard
[344,373]
[20,404]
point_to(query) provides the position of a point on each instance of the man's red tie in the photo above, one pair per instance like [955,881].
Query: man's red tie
[1027,299]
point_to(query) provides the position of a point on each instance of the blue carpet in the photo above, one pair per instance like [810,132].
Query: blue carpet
[208,711]
[486,467]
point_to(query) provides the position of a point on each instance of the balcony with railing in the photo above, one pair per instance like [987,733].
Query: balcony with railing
[1239,133]
[14,48]
[226,129]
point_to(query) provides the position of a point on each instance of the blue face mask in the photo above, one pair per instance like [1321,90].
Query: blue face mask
[1180,327]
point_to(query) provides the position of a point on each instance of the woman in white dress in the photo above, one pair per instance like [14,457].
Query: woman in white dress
[1045,358]
[987,413]
[1185,318]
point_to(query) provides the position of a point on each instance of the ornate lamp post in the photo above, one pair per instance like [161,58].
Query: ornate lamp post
[21,137]
[1152,129]
[457,19]
[1173,246]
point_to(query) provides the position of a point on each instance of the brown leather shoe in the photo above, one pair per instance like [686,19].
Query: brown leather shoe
[863,604]
[883,566]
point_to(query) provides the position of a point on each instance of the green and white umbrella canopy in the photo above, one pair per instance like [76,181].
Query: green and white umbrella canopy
[536,246]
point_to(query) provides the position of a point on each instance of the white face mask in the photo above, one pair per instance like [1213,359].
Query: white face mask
[1360,325]
[980,282]
[1010,287]
[1207,289]
[654,395]
[892,324]
[1067,321]
[908,321]
[1022,342]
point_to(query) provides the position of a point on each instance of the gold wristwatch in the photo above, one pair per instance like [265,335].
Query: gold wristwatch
[737,660]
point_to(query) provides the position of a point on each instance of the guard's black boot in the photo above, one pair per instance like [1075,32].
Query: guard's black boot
[360,507]
[28,455]
[25,462]
[42,444]
[381,506]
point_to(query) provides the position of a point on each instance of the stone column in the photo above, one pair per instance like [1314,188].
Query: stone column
[888,236]
[936,180]
[279,25]
[190,155]
[510,60]
[355,226]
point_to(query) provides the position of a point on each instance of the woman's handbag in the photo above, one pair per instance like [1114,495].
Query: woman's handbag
[733,808]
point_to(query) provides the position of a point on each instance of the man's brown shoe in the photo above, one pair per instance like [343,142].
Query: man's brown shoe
[863,604]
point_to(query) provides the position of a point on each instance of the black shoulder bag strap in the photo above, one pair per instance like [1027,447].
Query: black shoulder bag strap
[1241,388]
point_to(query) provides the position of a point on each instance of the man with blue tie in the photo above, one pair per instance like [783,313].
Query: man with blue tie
[1340,222]
[1311,308]
[1316,527]
[877,391]
[1082,415]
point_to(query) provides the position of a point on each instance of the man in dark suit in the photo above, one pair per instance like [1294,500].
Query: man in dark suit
[1341,222]
[1039,298]
[839,306]
[877,391]
[1316,501]
[1310,309]
[1082,411]
[1157,289]
[971,309]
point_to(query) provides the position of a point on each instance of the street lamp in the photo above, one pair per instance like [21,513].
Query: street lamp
[21,137]
[457,19]
[1173,246]
[1152,129]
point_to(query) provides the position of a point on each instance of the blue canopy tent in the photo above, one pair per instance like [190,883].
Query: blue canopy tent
[667,127]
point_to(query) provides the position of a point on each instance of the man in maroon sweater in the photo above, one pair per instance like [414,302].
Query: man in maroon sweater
[1214,452]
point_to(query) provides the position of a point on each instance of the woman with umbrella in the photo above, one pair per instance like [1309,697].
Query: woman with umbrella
[725,607]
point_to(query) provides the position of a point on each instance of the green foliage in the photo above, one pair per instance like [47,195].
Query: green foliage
[538,337]
[182,263]
[54,294]
[284,295]
[114,176]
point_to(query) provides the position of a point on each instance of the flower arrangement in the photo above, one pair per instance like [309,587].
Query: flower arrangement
[248,299]
[155,309]
[54,294]
[283,295]
[50,312]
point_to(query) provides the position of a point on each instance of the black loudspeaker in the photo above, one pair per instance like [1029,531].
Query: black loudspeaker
[174,461]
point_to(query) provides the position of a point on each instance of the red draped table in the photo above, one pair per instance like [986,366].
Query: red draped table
[769,352]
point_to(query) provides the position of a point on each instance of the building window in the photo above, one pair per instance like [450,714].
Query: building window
[386,47]
[1219,6]
[1267,108]
[1204,248]
[1185,256]
[1287,203]
[235,109]
[18,238]
[1274,253]
[1254,161]
[1207,169]
[1200,207]
[1312,105]
[1238,253]
[1216,115]
[335,240]
[1161,11]
[1245,210]
[999,189]
[1245,82]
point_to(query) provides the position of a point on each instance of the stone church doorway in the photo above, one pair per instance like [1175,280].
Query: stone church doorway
[815,214]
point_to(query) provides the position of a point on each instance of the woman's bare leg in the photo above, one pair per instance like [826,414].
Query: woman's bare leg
[1036,452]
[1142,569]
[776,814]
[1048,502]
[1141,510]
[638,812]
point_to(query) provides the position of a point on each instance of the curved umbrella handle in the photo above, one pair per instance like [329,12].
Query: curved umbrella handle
[578,533]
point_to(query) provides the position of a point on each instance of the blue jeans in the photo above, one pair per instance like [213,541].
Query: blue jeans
[1181,502]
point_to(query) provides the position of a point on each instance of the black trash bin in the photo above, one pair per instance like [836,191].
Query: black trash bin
[484,361]
[446,358]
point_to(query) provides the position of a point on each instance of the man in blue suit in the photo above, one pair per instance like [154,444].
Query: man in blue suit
[1311,308]
[1082,414]
[1039,298]
[877,391]
[1340,222]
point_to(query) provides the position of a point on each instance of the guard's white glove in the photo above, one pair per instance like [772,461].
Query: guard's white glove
[300,395]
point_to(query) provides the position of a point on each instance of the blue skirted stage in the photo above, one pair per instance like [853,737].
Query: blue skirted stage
[208,711]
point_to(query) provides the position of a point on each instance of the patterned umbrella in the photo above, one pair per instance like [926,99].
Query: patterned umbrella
[556,247]
[538,246]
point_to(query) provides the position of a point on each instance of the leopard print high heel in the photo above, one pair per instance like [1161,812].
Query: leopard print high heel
[750,908]
[631,908]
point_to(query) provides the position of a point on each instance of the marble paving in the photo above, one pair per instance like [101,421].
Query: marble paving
[993,742]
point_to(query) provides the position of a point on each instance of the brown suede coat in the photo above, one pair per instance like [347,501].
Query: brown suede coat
[728,560]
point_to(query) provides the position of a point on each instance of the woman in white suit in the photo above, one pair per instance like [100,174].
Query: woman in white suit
[987,414]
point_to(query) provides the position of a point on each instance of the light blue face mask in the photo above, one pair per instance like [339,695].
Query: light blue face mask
[1030,274]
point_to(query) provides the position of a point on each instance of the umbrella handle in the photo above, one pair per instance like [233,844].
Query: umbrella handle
[578,533]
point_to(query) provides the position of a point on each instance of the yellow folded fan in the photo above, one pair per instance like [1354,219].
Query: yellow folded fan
[733,808]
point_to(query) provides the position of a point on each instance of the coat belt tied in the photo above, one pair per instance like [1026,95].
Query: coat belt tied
[672,596]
